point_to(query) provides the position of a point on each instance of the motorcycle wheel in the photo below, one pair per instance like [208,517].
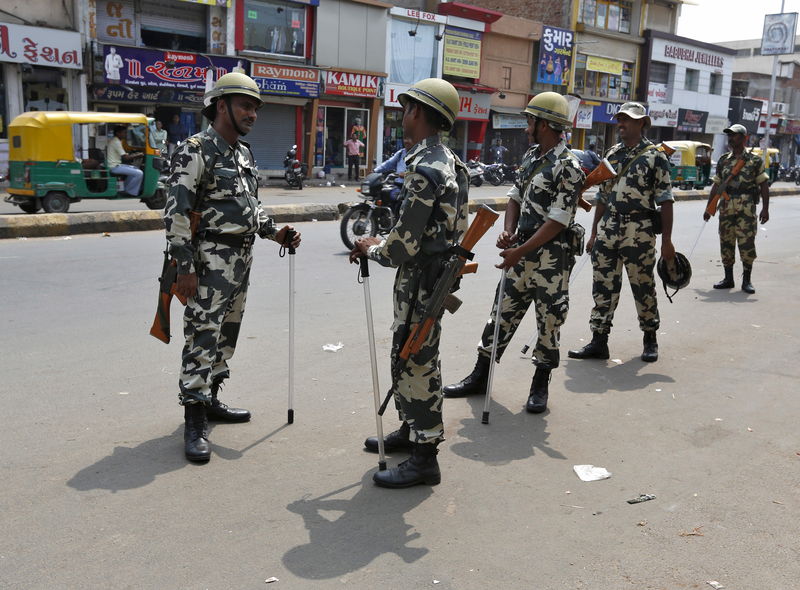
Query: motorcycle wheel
[493,177]
[300,183]
[477,181]
[355,224]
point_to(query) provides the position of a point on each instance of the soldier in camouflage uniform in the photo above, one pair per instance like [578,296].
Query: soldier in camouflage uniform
[433,218]
[623,235]
[737,214]
[213,173]
[536,249]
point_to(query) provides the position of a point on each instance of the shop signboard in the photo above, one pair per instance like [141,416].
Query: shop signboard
[692,121]
[691,56]
[663,115]
[392,92]
[605,111]
[462,53]
[584,117]
[603,65]
[779,33]
[506,121]
[474,107]
[286,80]
[792,126]
[715,125]
[657,93]
[113,93]
[746,111]
[134,66]
[353,84]
[225,3]
[40,47]
[555,56]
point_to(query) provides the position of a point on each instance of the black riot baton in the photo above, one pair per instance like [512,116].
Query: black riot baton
[287,245]
[364,272]
[500,291]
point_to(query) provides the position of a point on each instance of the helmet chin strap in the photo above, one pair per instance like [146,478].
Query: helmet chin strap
[228,101]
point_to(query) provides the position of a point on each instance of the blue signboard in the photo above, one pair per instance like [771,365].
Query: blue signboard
[555,56]
[604,112]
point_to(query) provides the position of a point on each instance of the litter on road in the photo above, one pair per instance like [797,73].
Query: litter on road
[333,347]
[591,473]
[641,498]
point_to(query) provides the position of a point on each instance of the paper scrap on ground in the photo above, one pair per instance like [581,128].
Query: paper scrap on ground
[641,498]
[591,473]
[333,347]
[715,584]
[270,580]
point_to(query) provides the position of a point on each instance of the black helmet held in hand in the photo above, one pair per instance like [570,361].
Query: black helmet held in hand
[675,273]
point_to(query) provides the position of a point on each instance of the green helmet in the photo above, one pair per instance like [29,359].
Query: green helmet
[438,94]
[550,106]
[229,84]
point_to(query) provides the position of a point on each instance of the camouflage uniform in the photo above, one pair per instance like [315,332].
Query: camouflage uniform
[221,256]
[738,222]
[625,236]
[547,188]
[432,218]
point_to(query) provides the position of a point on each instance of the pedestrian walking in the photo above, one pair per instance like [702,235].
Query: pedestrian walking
[176,133]
[537,250]
[432,220]
[737,210]
[353,149]
[214,179]
[624,231]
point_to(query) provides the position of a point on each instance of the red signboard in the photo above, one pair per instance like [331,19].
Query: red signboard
[353,84]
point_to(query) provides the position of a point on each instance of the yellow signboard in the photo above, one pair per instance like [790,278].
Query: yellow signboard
[462,53]
[225,3]
[604,65]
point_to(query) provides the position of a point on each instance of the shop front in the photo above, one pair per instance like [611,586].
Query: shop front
[506,125]
[469,131]
[603,130]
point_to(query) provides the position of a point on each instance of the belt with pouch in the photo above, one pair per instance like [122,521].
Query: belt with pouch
[241,241]
[628,217]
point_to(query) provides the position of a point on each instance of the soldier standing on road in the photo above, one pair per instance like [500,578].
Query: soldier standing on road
[536,249]
[433,218]
[623,235]
[214,173]
[737,215]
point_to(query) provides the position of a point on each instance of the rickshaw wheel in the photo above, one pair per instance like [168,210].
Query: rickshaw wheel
[157,201]
[56,202]
[29,206]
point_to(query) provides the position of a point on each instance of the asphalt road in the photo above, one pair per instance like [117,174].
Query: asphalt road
[97,494]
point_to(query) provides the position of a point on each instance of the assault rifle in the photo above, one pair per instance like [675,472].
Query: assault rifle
[722,189]
[602,172]
[441,297]
[166,291]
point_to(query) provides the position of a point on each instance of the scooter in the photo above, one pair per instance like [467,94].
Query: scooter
[476,169]
[377,214]
[293,171]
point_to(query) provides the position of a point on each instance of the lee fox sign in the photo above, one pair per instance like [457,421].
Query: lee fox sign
[40,47]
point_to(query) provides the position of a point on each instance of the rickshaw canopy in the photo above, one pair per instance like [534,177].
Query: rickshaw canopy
[686,152]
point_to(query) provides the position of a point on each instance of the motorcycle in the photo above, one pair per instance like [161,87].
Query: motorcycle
[293,171]
[497,174]
[475,172]
[377,214]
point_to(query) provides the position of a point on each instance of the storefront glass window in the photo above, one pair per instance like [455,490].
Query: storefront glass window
[413,57]
[274,26]
[613,15]
[392,132]
[43,89]
[334,127]
[600,84]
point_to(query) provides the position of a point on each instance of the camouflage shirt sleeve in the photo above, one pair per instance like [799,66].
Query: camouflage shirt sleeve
[662,182]
[720,166]
[405,238]
[186,171]
[569,181]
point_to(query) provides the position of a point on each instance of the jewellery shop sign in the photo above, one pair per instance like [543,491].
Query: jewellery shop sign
[40,47]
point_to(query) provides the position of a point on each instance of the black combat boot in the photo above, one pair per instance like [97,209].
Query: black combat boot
[650,347]
[421,467]
[747,286]
[727,282]
[537,400]
[219,412]
[472,384]
[596,349]
[396,441]
[195,433]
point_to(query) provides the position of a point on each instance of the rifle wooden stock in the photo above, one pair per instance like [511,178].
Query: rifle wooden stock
[469,268]
[167,290]
[602,172]
[663,147]
[711,207]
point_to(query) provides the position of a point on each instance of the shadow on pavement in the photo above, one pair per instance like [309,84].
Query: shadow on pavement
[346,535]
[595,376]
[734,295]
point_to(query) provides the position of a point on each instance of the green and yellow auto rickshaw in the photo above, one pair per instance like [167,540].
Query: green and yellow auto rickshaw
[691,164]
[771,163]
[47,169]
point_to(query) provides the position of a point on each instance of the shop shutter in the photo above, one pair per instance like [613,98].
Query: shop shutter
[172,16]
[272,135]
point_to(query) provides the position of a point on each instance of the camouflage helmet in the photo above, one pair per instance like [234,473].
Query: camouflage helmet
[230,84]
[439,95]
[550,106]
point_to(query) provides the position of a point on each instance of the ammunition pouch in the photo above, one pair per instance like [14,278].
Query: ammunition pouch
[574,235]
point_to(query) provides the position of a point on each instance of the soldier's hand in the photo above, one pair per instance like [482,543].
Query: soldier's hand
[506,240]
[361,247]
[280,237]
[186,285]
[706,216]
[510,258]
[590,243]
[764,217]
[667,250]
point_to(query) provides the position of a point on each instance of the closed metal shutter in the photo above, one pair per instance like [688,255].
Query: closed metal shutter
[171,16]
[272,135]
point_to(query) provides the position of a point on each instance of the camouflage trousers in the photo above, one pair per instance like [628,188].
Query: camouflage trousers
[417,387]
[630,245]
[541,279]
[738,224]
[212,319]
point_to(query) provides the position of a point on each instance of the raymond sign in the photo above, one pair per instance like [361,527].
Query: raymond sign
[286,80]
[349,84]
[462,53]
[40,47]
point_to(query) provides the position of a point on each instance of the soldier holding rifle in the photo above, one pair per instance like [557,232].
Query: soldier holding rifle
[432,219]
[740,180]
[624,233]
[535,249]
[215,182]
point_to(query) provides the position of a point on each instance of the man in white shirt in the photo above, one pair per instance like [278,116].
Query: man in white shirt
[116,155]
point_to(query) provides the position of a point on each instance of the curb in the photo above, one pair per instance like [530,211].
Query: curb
[39,225]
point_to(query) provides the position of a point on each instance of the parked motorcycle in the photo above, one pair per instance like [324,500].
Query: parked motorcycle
[293,171]
[475,172]
[377,214]
[497,174]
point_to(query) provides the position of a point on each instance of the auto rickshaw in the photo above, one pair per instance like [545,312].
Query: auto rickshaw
[772,162]
[691,164]
[47,170]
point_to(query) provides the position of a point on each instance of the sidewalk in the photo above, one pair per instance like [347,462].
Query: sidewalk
[63,224]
